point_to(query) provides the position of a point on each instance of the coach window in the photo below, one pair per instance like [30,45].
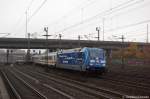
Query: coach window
[50,57]
[80,54]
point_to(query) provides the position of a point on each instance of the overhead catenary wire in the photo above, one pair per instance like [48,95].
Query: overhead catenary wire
[22,15]
[129,33]
[129,25]
[33,14]
[37,10]
[78,7]
[113,29]
[30,5]
[133,8]
[133,23]
[85,25]
[106,12]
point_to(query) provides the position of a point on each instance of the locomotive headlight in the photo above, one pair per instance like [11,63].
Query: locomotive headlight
[103,64]
[88,67]
[102,61]
[97,61]
[92,61]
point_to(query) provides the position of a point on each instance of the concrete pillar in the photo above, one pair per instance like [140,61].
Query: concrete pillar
[108,56]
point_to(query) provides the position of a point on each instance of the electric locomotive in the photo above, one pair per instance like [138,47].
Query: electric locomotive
[79,59]
[82,59]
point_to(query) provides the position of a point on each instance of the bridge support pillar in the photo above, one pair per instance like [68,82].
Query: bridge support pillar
[28,57]
[108,56]
[7,56]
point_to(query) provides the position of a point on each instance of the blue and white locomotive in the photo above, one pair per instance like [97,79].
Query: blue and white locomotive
[79,59]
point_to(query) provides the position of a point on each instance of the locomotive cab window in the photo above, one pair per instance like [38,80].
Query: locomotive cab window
[96,53]
[80,54]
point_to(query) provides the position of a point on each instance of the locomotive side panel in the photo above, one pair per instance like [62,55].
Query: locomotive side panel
[73,61]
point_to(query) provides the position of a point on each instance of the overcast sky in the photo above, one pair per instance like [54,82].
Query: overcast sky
[76,17]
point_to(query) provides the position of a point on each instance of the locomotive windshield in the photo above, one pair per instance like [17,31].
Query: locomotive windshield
[94,53]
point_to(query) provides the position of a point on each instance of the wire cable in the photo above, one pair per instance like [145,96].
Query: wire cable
[22,15]
[106,12]
[73,10]
[129,25]
[37,10]
[30,5]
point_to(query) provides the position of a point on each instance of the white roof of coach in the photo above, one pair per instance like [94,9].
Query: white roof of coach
[52,54]
[70,50]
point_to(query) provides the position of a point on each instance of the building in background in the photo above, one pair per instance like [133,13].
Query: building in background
[12,55]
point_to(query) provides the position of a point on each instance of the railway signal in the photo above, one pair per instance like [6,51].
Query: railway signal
[46,42]
[98,30]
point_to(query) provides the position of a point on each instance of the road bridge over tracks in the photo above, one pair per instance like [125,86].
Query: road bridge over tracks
[24,43]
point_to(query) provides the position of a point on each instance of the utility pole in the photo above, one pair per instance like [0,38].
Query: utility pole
[147,40]
[7,56]
[28,35]
[103,27]
[122,51]
[79,38]
[98,30]
[11,51]
[46,42]
[28,51]
[26,23]
[60,36]
[29,41]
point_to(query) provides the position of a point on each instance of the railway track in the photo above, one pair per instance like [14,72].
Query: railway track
[122,87]
[141,87]
[86,88]
[47,90]
[132,77]
[135,84]
[120,82]
[20,89]
[49,85]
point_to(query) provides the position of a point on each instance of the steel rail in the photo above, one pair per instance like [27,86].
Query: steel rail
[29,86]
[129,83]
[47,86]
[17,95]
[98,92]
